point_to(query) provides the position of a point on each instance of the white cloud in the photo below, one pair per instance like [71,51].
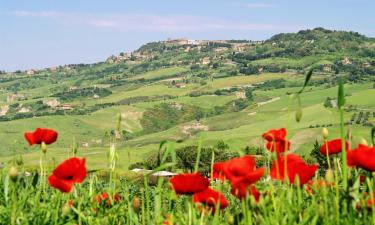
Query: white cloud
[152,22]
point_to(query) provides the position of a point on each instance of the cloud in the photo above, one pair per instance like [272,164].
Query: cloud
[152,22]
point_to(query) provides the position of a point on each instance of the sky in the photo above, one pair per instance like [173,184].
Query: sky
[43,33]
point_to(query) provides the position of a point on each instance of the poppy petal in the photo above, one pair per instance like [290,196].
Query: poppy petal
[189,183]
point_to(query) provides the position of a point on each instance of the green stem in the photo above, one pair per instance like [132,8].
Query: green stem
[343,154]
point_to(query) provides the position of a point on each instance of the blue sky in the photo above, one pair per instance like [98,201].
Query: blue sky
[44,33]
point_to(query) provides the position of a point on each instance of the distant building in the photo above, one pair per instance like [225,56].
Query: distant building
[30,72]
[193,42]
[65,107]
[180,85]
[96,96]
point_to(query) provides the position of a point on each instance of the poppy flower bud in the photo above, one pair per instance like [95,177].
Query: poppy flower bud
[136,202]
[321,211]
[330,176]
[325,133]
[363,141]
[67,207]
[298,114]
[13,173]
[43,147]
[230,219]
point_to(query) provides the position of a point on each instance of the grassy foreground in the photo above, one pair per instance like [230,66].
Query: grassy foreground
[341,195]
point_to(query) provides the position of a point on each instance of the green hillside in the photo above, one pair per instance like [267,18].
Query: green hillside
[186,91]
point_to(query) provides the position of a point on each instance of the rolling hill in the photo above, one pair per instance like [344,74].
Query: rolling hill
[190,90]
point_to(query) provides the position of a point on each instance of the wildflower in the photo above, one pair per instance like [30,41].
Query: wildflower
[40,136]
[136,203]
[278,146]
[317,184]
[240,167]
[70,171]
[189,183]
[362,157]
[242,189]
[105,198]
[333,147]
[275,135]
[295,167]
[211,199]
[218,173]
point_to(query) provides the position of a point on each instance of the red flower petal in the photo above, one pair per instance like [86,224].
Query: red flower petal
[48,136]
[218,171]
[211,198]
[240,186]
[73,169]
[334,147]
[189,183]
[362,157]
[278,146]
[61,184]
[275,135]
[70,171]
[239,167]
[295,167]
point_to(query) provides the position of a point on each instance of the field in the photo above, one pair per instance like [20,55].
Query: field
[195,134]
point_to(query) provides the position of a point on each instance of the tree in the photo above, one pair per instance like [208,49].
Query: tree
[319,158]
[249,94]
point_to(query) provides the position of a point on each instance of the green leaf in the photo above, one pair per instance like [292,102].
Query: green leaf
[6,188]
[341,95]
[307,79]
[373,136]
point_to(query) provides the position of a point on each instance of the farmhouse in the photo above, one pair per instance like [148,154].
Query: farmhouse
[65,107]
[30,72]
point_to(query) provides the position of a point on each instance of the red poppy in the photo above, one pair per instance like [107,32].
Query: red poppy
[48,136]
[334,147]
[239,167]
[295,167]
[189,183]
[243,186]
[211,198]
[275,135]
[70,171]
[362,157]
[218,169]
[105,198]
[278,146]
